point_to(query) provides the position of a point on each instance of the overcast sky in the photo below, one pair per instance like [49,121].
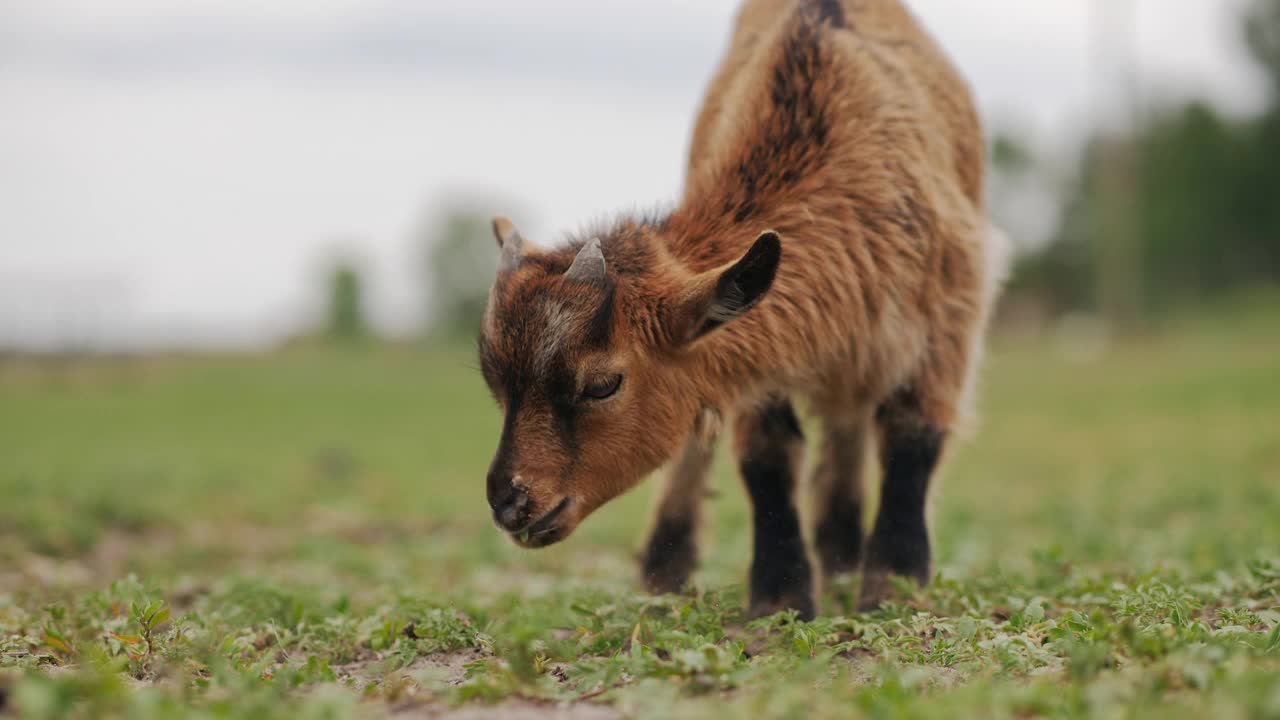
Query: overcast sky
[173,173]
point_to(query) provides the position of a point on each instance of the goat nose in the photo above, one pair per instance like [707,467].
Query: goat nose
[510,508]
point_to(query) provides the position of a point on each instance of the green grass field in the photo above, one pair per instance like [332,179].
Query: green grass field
[305,534]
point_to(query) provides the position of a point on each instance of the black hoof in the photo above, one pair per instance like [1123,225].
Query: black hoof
[802,604]
[669,559]
[782,580]
[838,542]
[877,587]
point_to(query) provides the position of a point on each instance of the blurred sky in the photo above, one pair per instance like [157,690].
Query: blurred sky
[173,174]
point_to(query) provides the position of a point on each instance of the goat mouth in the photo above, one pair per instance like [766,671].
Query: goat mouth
[543,531]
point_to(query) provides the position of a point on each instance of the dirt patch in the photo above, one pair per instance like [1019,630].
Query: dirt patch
[451,668]
[517,710]
[107,560]
[441,669]
[412,692]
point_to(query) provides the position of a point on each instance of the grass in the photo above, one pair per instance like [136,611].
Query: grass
[305,534]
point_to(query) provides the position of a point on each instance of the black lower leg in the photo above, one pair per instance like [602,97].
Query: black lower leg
[838,536]
[899,544]
[837,483]
[671,552]
[670,555]
[770,443]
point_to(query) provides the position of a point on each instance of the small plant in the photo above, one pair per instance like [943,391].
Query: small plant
[142,646]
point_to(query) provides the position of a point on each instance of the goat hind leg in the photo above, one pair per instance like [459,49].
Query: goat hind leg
[837,492]
[911,445]
[770,445]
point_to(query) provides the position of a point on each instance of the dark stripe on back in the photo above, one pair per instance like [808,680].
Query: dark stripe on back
[830,12]
[794,129]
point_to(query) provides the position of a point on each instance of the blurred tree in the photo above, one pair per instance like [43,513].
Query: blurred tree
[1117,250]
[461,263]
[1262,36]
[1010,156]
[1061,275]
[346,307]
[1261,176]
[1205,219]
[1191,236]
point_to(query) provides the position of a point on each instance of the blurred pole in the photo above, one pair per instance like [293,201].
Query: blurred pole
[1119,202]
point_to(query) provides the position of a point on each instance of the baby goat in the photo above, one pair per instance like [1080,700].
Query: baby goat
[831,244]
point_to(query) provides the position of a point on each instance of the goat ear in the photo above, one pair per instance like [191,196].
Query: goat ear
[510,242]
[724,294]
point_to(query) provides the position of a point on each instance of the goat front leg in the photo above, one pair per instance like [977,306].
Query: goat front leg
[671,552]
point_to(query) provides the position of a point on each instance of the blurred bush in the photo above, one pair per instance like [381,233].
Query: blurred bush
[461,261]
[346,318]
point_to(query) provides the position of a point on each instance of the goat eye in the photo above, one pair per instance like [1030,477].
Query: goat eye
[602,388]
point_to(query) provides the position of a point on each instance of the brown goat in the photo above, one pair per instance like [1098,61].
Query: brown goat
[831,244]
